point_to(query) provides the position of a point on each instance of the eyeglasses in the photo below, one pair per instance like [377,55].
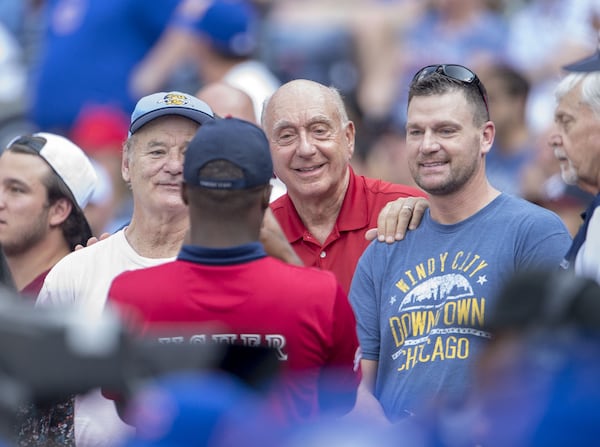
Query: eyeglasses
[456,72]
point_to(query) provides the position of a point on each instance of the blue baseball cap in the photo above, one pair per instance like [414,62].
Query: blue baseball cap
[240,142]
[169,103]
[230,25]
[591,63]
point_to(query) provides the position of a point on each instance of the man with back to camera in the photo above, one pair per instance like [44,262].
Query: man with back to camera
[421,304]
[576,146]
[224,278]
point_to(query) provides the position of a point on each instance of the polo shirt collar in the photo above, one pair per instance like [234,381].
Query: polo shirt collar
[222,256]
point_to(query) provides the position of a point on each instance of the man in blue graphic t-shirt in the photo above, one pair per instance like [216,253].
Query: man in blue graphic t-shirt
[421,304]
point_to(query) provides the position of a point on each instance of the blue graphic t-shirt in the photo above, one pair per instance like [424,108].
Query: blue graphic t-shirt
[421,304]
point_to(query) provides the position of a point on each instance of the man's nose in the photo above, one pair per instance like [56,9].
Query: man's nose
[555,140]
[429,142]
[306,147]
[174,162]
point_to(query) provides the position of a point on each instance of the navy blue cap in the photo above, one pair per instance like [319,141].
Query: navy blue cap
[230,25]
[237,141]
[169,103]
[591,63]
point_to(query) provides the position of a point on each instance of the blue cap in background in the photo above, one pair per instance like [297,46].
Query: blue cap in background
[230,25]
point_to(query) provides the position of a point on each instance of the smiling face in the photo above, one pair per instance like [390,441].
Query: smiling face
[576,142]
[311,143]
[153,165]
[445,147]
[24,207]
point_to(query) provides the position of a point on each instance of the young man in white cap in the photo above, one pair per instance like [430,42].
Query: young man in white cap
[45,183]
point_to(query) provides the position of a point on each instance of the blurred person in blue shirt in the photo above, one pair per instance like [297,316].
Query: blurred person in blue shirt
[89,49]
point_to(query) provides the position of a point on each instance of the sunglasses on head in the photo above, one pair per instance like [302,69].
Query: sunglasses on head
[456,72]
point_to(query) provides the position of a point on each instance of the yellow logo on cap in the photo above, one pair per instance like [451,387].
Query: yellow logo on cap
[174,99]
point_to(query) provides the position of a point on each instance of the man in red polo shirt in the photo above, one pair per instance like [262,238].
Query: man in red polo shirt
[328,208]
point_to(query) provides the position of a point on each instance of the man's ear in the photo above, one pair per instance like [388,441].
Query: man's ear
[59,211]
[184,193]
[266,198]
[350,133]
[487,137]
[125,165]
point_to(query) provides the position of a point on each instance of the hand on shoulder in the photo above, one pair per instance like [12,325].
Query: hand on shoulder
[404,213]
[93,240]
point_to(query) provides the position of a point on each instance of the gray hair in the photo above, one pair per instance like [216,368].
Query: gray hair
[339,103]
[590,88]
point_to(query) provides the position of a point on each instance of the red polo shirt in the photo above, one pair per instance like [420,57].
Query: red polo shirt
[364,200]
[239,295]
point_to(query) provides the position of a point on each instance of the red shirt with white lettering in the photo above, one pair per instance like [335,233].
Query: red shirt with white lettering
[301,312]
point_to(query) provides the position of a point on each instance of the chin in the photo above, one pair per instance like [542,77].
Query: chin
[569,176]
[172,204]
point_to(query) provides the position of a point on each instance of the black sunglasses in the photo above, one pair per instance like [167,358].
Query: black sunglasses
[456,72]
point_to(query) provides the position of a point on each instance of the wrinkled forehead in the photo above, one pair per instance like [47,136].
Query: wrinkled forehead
[572,105]
[168,124]
[170,129]
[299,105]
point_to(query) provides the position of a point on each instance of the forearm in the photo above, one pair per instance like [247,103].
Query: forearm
[367,407]
[275,241]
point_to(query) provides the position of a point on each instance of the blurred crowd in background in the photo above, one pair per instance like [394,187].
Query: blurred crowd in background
[77,67]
